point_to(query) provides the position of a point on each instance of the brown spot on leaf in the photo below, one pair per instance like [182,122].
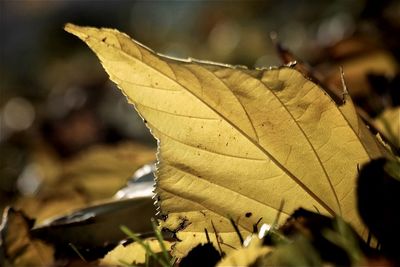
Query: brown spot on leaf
[248,214]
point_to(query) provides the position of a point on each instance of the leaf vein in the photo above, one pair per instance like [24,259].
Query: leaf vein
[307,139]
[237,98]
[171,113]
[221,186]
[206,150]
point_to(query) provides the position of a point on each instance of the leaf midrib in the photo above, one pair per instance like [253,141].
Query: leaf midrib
[217,185]
[261,83]
[264,151]
[309,143]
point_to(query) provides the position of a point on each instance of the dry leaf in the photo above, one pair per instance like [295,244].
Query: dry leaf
[94,174]
[246,256]
[236,142]
[19,247]
[388,124]
[357,68]
[99,225]
[133,253]
[51,202]
[102,170]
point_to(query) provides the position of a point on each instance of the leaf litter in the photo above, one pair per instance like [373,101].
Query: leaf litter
[192,163]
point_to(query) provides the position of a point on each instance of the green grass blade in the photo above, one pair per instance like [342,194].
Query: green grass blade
[161,241]
[132,235]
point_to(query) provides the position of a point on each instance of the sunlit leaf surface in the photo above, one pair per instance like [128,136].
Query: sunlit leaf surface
[236,142]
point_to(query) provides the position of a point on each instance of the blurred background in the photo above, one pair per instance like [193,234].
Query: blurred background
[69,137]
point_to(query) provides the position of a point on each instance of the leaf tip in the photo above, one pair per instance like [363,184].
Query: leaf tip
[75,30]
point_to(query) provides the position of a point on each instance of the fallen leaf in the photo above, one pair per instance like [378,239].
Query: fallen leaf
[388,123]
[92,175]
[102,170]
[299,252]
[235,142]
[51,202]
[19,248]
[97,226]
[246,256]
[133,253]
[357,68]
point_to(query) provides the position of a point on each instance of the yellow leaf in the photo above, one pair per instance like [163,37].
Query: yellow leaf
[236,142]
[19,248]
[103,169]
[372,145]
[246,256]
[388,124]
[94,174]
[133,253]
